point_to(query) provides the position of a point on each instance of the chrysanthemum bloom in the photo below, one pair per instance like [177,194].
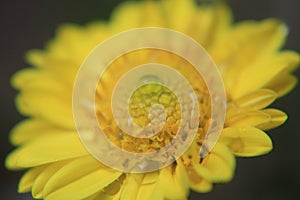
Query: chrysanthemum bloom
[255,73]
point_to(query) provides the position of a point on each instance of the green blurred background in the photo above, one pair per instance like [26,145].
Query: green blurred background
[31,23]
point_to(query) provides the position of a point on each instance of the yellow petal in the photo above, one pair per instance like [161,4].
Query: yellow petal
[39,80]
[35,57]
[181,175]
[191,154]
[72,40]
[63,70]
[174,182]
[140,14]
[253,39]
[277,118]
[50,106]
[196,182]
[150,177]
[201,186]
[43,177]
[260,74]
[210,23]
[84,175]
[247,141]
[246,44]
[131,186]
[45,150]
[185,11]
[30,129]
[256,100]
[28,179]
[117,196]
[282,84]
[246,119]
[115,187]
[100,196]
[152,190]
[218,165]
[203,23]
[66,52]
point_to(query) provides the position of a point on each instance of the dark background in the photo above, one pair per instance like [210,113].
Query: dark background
[29,24]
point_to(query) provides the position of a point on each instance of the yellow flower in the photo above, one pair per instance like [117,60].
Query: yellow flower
[255,73]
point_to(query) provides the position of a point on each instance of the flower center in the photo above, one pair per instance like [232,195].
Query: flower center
[150,104]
